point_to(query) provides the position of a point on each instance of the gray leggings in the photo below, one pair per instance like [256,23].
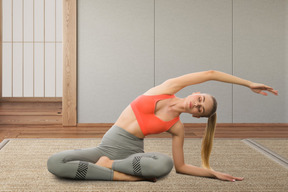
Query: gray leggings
[117,144]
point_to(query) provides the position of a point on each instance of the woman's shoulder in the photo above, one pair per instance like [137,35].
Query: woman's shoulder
[162,89]
[177,128]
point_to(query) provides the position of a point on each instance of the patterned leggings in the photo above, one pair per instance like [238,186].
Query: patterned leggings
[117,144]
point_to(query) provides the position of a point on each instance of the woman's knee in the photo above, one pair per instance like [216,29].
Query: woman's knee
[160,166]
[54,165]
[164,166]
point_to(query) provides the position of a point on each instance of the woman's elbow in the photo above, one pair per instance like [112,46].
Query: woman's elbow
[210,74]
[179,169]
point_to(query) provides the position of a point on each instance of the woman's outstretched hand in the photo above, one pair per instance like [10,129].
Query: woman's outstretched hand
[260,88]
[227,177]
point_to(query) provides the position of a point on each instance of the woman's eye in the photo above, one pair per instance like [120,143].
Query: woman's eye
[200,109]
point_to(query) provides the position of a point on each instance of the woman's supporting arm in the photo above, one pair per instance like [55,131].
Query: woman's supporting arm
[177,132]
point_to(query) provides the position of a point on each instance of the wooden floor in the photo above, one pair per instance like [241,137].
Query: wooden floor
[10,130]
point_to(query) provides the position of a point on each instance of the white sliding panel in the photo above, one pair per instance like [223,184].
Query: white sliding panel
[28,21]
[50,70]
[17,20]
[39,20]
[192,36]
[7,20]
[17,70]
[32,48]
[59,21]
[59,70]
[50,20]
[7,70]
[28,70]
[39,70]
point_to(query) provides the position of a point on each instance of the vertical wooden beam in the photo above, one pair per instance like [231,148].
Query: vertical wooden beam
[69,103]
[1,29]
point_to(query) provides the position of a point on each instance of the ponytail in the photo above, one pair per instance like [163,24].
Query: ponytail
[207,141]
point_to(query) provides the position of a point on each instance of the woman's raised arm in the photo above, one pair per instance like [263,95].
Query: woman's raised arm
[173,85]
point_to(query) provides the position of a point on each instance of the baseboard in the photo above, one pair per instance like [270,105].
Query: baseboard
[199,124]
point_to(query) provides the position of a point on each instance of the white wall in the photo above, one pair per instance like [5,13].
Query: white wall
[126,47]
[286,61]
[193,36]
[260,55]
[115,56]
[32,48]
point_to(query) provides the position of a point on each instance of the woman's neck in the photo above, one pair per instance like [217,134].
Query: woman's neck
[177,106]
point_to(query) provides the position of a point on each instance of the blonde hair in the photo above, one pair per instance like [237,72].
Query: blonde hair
[207,141]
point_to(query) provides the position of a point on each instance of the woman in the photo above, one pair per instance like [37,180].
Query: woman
[120,155]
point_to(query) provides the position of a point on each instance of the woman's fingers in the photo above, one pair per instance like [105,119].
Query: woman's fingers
[233,179]
[275,92]
[238,178]
[227,177]
[260,88]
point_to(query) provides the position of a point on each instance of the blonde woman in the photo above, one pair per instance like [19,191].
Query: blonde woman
[120,155]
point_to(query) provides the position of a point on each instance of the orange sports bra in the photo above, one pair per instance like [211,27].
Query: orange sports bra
[144,110]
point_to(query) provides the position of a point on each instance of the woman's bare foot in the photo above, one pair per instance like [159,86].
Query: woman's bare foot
[118,176]
[124,177]
[105,162]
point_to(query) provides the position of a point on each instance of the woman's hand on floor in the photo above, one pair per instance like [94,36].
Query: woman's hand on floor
[227,177]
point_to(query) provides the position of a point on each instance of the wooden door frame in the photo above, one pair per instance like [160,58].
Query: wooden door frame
[1,48]
[69,98]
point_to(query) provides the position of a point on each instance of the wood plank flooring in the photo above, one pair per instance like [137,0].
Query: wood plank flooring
[98,130]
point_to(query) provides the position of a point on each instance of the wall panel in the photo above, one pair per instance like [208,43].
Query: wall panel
[115,56]
[192,36]
[125,47]
[260,55]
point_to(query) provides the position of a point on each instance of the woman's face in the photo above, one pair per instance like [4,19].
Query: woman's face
[199,105]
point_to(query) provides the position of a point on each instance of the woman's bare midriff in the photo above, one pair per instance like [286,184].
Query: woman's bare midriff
[128,122]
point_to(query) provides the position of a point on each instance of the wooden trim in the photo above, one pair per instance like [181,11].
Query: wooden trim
[69,103]
[95,124]
[239,124]
[30,99]
[1,48]
[31,119]
[199,125]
